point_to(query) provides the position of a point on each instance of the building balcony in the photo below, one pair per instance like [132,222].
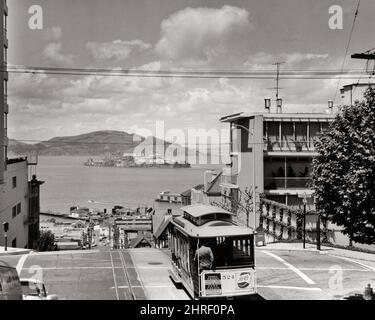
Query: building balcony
[275,145]
[287,183]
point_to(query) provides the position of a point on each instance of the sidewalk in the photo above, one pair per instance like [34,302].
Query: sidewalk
[13,251]
[324,250]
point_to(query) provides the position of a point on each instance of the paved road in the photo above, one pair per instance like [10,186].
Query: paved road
[143,274]
[310,275]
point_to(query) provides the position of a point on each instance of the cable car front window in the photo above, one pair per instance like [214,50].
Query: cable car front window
[232,252]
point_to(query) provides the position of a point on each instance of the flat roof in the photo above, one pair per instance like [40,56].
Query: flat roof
[279,116]
[198,210]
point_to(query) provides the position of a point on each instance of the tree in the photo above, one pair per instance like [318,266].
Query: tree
[343,173]
[241,205]
[47,241]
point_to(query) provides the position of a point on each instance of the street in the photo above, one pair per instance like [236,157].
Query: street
[143,274]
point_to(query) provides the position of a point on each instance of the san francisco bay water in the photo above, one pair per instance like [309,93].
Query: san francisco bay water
[69,183]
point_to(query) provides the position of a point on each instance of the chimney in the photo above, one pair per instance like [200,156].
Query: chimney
[267,105]
[279,104]
[330,106]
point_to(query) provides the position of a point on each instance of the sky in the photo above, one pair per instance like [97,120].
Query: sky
[171,35]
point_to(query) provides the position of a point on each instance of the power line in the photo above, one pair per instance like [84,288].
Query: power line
[360,77]
[347,47]
[212,74]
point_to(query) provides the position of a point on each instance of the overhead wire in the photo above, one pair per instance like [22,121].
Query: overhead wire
[347,47]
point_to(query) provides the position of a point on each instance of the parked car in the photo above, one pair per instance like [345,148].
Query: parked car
[33,289]
[10,286]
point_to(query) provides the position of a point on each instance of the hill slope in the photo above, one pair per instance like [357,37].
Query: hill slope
[96,143]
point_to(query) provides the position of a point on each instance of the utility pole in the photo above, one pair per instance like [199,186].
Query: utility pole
[278,64]
[304,221]
[368,55]
[317,224]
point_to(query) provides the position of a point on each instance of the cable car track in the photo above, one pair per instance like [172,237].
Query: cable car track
[127,277]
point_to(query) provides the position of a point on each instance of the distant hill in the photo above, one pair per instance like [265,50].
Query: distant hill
[97,143]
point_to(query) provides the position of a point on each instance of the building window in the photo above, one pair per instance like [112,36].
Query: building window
[14,182]
[19,208]
[14,211]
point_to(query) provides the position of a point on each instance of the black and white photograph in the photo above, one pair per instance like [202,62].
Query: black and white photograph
[203,151]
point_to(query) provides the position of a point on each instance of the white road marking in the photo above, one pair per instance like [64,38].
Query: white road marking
[147,286]
[75,268]
[313,269]
[291,267]
[21,263]
[291,288]
[368,268]
[67,252]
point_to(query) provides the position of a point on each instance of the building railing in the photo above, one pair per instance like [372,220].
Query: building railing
[289,145]
[275,183]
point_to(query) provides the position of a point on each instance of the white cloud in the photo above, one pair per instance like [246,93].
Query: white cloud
[117,50]
[52,52]
[263,60]
[53,33]
[200,34]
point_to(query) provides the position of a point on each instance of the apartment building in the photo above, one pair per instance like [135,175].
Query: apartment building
[19,197]
[14,204]
[272,152]
[351,93]
[4,89]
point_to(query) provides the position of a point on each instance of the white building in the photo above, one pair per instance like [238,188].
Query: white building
[14,204]
[352,92]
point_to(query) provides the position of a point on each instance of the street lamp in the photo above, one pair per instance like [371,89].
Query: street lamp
[234,126]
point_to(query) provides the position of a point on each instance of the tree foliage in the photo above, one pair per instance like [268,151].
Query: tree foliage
[47,241]
[241,205]
[344,170]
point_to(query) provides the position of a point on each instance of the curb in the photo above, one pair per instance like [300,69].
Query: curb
[351,257]
[292,250]
[324,252]
[14,253]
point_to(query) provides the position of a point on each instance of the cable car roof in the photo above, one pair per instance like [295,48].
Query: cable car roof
[198,210]
[4,264]
[215,228]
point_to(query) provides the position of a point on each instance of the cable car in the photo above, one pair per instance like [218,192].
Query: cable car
[212,257]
